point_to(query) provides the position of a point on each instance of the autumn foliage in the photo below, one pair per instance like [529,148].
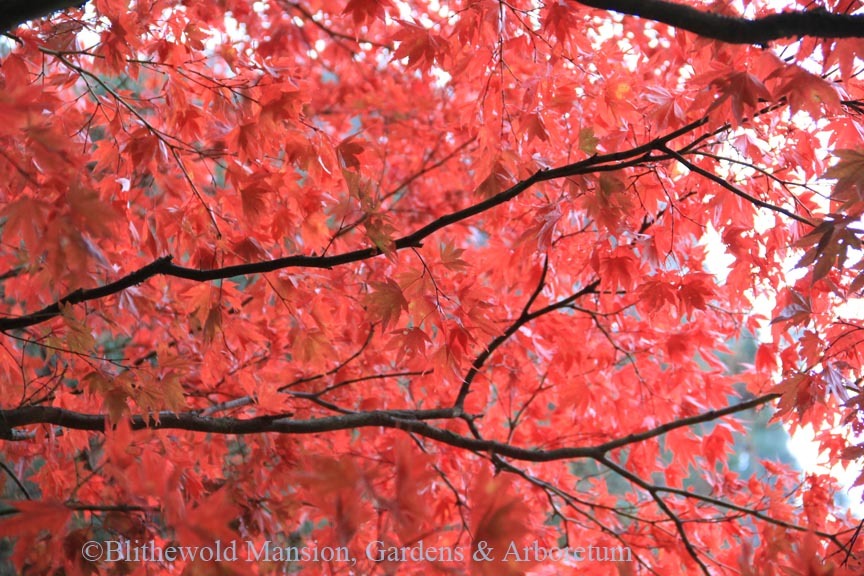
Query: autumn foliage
[332,274]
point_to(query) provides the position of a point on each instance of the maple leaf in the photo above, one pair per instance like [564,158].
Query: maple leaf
[90,211]
[743,89]
[336,487]
[195,36]
[533,127]
[24,218]
[410,342]
[666,109]
[498,179]
[386,302]
[807,91]
[365,11]
[411,482]
[153,395]
[559,18]
[766,358]
[451,257]
[857,284]
[213,323]
[656,296]
[610,203]
[849,173]
[542,231]
[498,521]
[618,269]
[797,310]
[33,517]
[349,151]
[695,292]
[679,347]
[830,242]
[843,52]
[422,48]
[208,522]
[798,392]
[254,194]
[78,337]
[312,345]
[381,233]
[716,444]
[587,140]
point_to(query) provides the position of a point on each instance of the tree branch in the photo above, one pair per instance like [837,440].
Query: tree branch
[523,319]
[598,163]
[408,420]
[16,12]
[738,192]
[655,489]
[165,266]
[816,23]
[709,416]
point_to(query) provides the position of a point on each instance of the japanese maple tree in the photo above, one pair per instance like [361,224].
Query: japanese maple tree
[423,275]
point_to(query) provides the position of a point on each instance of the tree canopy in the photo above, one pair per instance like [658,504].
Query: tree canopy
[384,284]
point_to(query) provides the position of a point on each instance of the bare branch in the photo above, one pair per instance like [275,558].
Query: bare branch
[709,416]
[817,23]
[15,12]
[737,191]
[166,267]
[523,319]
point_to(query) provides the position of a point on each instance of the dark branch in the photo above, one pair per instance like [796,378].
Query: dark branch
[166,267]
[817,23]
[598,163]
[409,420]
[737,191]
[523,319]
[709,416]
[654,490]
[15,12]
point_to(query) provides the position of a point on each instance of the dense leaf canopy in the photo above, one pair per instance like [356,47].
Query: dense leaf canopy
[354,276]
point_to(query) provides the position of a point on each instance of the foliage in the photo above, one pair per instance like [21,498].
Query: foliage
[331,274]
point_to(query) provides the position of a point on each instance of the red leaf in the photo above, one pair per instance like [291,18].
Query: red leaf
[498,521]
[365,11]
[849,173]
[808,91]
[254,198]
[34,517]
[209,521]
[716,446]
[349,151]
[386,303]
[695,291]
[745,91]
